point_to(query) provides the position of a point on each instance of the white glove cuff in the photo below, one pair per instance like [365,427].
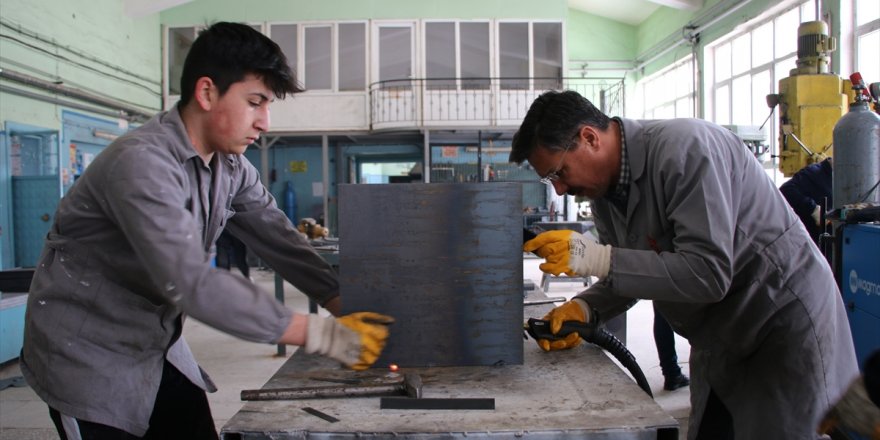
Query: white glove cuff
[316,342]
[602,255]
[585,307]
[589,258]
[326,336]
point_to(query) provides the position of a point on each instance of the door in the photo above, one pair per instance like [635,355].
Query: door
[34,190]
[394,101]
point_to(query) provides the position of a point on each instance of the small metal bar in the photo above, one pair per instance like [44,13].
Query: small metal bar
[320,414]
[437,403]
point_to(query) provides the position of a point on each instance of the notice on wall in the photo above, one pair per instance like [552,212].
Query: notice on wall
[298,166]
[449,152]
[317,189]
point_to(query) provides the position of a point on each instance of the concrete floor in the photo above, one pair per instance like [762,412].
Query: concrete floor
[236,365]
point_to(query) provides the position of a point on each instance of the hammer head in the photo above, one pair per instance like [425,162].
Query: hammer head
[412,385]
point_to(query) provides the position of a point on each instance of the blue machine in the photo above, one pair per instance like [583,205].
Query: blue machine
[860,285]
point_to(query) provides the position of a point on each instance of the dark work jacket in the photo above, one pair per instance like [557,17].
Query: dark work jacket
[808,188]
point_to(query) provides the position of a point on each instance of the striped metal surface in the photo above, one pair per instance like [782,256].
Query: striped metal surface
[445,260]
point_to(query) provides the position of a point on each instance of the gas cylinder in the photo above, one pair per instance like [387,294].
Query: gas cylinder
[857,152]
[290,202]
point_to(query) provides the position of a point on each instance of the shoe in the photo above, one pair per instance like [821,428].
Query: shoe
[676,382]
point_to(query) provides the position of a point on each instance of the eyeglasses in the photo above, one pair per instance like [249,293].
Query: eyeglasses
[554,176]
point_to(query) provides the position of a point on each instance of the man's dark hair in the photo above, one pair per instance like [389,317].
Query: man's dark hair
[554,121]
[227,52]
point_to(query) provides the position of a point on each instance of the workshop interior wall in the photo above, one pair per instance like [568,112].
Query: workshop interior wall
[98,28]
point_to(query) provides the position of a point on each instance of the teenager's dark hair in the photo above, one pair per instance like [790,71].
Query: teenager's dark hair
[226,52]
[553,121]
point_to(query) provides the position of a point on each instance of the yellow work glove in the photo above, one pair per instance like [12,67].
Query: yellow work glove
[571,253]
[356,340]
[574,310]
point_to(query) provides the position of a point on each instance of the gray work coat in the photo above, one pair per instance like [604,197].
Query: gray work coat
[128,257]
[708,237]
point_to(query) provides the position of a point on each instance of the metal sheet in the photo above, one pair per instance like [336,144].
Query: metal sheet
[445,260]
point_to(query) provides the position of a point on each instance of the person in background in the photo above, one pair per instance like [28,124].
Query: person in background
[809,192]
[231,250]
[664,339]
[689,219]
[127,259]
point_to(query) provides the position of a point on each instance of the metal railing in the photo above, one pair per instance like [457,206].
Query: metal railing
[483,102]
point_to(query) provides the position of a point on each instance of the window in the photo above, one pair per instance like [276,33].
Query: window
[395,55]
[318,58]
[747,66]
[320,43]
[179,41]
[457,54]
[867,13]
[668,93]
[440,55]
[285,36]
[513,46]
[548,55]
[475,61]
[352,56]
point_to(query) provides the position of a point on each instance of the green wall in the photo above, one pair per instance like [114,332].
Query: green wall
[97,28]
[595,38]
[207,11]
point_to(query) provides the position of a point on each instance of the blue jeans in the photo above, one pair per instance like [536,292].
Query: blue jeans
[664,338]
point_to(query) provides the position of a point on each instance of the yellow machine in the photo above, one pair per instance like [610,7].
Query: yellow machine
[811,101]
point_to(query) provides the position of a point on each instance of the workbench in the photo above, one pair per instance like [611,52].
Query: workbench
[578,393]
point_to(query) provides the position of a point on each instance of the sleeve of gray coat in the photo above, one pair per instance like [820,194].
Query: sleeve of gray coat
[146,197]
[693,173]
[269,233]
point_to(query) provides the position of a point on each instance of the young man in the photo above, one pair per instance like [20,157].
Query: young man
[127,259]
[688,218]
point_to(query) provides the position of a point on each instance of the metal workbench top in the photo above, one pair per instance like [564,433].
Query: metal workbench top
[578,393]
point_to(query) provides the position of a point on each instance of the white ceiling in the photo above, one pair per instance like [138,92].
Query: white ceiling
[632,12]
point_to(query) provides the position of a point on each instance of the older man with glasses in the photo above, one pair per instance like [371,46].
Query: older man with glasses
[687,218]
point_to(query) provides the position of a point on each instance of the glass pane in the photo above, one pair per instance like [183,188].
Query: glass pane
[664,112]
[722,62]
[285,36]
[352,56]
[741,96]
[179,42]
[742,53]
[513,45]
[786,33]
[395,55]
[684,79]
[808,12]
[762,52]
[440,55]
[867,11]
[867,60]
[761,87]
[782,70]
[547,44]
[684,108]
[474,55]
[318,58]
[722,105]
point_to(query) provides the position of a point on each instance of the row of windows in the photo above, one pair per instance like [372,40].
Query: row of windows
[337,56]
[745,66]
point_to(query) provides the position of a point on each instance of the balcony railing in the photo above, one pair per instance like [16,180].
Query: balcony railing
[477,102]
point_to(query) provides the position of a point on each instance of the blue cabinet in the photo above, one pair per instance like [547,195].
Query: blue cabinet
[860,286]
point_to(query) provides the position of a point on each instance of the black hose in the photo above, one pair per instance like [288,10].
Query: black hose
[603,338]
[540,329]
